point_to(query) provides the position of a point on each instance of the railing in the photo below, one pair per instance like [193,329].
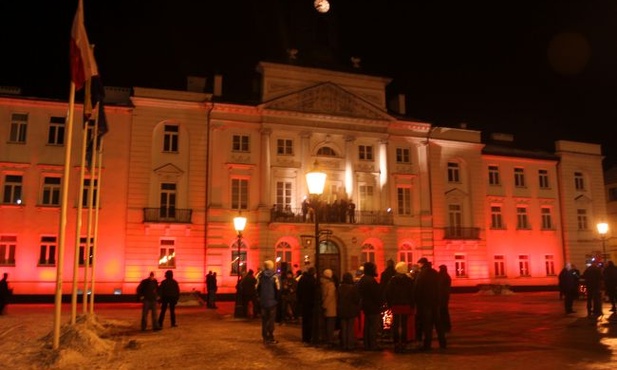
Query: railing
[168,215]
[295,215]
[461,233]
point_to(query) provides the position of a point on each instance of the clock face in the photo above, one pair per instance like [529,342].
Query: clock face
[322,6]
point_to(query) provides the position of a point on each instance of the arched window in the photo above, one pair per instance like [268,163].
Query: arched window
[368,253]
[283,257]
[326,151]
[405,254]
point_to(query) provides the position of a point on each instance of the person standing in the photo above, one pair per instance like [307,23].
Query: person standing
[568,287]
[593,282]
[426,296]
[147,293]
[289,296]
[5,292]
[610,283]
[399,296]
[328,305]
[307,285]
[268,289]
[445,286]
[211,286]
[348,309]
[249,294]
[169,291]
[371,304]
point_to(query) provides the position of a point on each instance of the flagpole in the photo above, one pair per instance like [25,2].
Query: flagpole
[96,222]
[91,188]
[63,212]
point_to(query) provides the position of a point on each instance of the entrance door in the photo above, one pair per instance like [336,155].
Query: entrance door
[330,258]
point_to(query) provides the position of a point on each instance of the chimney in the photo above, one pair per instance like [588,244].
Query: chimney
[196,84]
[218,85]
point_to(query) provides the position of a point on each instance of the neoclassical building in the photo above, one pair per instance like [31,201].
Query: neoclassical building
[178,166]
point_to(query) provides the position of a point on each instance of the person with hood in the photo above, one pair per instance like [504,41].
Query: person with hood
[426,296]
[268,288]
[328,305]
[169,291]
[348,310]
[371,304]
[399,297]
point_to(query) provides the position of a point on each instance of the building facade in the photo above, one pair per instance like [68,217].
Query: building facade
[178,166]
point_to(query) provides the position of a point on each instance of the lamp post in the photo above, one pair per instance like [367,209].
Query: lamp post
[316,180]
[239,225]
[602,230]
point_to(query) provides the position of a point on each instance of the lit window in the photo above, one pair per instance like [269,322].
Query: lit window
[12,189]
[549,262]
[523,266]
[368,253]
[499,264]
[460,265]
[405,254]
[403,201]
[167,254]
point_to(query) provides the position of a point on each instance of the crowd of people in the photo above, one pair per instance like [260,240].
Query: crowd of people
[348,313]
[598,276]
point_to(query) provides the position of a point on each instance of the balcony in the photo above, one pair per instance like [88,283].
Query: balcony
[462,233]
[168,215]
[294,215]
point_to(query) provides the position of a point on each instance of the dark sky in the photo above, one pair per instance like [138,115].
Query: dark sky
[542,70]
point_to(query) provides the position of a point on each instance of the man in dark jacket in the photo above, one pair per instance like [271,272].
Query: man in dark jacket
[399,296]
[445,286]
[249,294]
[372,302]
[426,296]
[348,309]
[610,283]
[268,288]
[593,281]
[568,287]
[147,292]
[307,285]
[169,291]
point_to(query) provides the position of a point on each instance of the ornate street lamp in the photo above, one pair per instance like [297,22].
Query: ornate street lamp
[316,181]
[239,225]
[603,230]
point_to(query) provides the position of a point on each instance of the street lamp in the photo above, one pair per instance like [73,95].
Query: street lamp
[239,225]
[602,230]
[316,181]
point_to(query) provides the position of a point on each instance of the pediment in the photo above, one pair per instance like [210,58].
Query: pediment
[582,199]
[455,194]
[168,172]
[329,99]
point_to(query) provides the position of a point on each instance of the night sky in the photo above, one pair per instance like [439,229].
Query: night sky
[542,70]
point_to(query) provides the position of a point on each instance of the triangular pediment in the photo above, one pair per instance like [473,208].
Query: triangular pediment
[582,199]
[168,173]
[327,98]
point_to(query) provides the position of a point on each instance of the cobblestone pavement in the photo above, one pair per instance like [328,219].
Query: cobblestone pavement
[510,331]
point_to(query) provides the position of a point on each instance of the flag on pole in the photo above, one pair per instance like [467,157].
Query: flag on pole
[83,65]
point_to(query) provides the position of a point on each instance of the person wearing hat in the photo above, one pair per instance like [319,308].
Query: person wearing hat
[169,291]
[328,305]
[399,297]
[268,288]
[426,296]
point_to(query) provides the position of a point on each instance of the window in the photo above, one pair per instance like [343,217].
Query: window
[168,201]
[167,254]
[170,139]
[547,220]
[455,215]
[496,218]
[454,174]
[282,253]
[12,189]
[581,219]
[51,191]
[82,251]
[47,251]
[240,143]
[365,152]
[499,264]
[405,254]
[493,175]
[368,253]
[403,155]
[56,131]
[326,151]
[89,186]
[238,258]
[284,147]
[8,244]
[579,181]
[521,218]
[239,194]
[543,179]
[19,126]
[523,265]
[460,265]
[519,177]
[403,196]
[366,197]
[549,264]
[283,195]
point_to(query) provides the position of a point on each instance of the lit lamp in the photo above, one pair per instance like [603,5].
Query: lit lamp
[602,230]
[316,181]
[239,225]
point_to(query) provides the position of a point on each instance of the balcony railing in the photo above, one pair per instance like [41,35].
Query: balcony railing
[168,215]
[461,233]
[294,215]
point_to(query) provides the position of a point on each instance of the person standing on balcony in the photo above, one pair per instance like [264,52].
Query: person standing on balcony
[352,212]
